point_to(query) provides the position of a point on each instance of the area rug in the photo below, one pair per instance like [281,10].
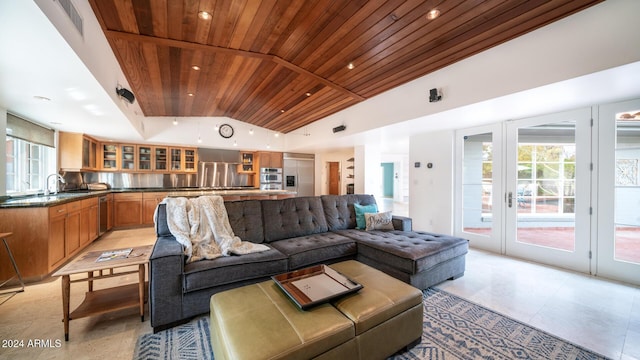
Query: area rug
[453,328]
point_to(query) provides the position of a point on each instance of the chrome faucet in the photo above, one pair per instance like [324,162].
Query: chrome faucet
[58,178]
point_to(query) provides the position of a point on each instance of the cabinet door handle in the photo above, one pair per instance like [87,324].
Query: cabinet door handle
[510,197]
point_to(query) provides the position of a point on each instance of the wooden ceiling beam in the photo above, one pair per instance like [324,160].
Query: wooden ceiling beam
[209,48]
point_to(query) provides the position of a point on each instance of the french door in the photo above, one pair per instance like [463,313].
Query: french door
[618,196]
[548,189]
[560,189]
[479,187]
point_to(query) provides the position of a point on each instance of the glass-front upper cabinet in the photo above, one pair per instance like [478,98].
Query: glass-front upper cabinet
[144,158]
[247,162]
[190,160]
[128,160]
[160,158]
[89,150]
[176,159]
[109,157]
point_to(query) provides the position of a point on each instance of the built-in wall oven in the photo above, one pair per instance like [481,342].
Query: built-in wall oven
[270,178]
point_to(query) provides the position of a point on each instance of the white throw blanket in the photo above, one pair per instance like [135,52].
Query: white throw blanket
[202,226]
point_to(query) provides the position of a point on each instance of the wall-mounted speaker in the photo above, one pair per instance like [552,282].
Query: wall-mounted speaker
[434,96]
[339,128]
[124,93]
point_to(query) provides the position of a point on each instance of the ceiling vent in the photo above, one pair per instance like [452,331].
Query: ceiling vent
[73,14]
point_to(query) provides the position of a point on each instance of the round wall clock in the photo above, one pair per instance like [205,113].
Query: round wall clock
[226,131]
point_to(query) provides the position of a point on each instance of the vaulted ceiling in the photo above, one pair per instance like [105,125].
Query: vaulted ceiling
[282,64]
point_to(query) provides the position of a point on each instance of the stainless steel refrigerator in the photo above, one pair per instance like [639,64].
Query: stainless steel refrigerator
[299,173]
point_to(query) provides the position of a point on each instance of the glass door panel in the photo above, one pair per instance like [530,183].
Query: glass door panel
[479,213]
[176,159]
[619,191]
[109,157]
[190,160]
[144,157]
[548,189]
[128,160]
[545,193]
[160,158]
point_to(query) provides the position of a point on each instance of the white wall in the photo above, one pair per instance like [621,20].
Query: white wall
[431,202]
[3,154]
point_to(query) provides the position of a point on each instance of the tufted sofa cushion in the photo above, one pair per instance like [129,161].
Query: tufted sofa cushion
[411,252]
[245,218]
[231,269]
[316,248]
[339,211]
[294,217]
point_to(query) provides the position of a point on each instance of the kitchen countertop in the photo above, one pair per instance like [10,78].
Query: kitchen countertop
[65,197]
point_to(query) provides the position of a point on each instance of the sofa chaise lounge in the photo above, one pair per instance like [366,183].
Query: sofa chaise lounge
[300,232]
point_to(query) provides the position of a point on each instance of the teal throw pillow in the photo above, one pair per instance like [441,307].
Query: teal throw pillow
[360,211]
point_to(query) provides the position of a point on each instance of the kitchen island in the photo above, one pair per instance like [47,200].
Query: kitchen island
[48,231]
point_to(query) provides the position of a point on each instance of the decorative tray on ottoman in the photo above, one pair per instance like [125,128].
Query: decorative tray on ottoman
[315,285]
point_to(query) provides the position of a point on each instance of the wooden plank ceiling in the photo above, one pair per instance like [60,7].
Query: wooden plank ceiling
[282,64]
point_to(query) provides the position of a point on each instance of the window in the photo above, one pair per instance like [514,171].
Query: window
[546,178]
[27,166]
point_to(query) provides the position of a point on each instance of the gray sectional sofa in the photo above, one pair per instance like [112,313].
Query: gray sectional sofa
[301,232]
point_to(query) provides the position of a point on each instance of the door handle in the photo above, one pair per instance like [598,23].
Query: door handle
[510,199]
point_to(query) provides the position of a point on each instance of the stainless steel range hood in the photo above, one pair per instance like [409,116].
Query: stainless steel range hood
[219,155]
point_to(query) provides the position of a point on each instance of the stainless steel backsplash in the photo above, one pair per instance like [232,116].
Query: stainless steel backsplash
[138,180]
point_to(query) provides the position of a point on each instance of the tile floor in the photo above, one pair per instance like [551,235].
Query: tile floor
[601,315]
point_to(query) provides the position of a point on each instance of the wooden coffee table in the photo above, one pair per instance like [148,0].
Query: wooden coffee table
[104,300]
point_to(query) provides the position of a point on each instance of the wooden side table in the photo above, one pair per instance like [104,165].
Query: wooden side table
[12,291]
[105,300]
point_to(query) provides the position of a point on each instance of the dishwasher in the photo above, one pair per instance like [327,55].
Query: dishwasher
[103,213]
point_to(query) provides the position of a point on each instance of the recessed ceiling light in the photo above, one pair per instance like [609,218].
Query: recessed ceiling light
[433,14]
[190,94]
[351,66]
[282,110]
[195,67]
[308,94]
[175,121]
[204,15]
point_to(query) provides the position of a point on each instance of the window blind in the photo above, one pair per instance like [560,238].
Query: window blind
[20,128]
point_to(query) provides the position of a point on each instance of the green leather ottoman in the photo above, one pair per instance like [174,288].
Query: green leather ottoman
[260,322]
[387,312]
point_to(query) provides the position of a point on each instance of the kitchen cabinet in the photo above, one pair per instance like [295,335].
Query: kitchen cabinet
[160,158]
[57,220]
[72,229]
[183,159]
[246,165]
[127,210]
[110,154]
[269,159]
[77,152]
[176,159]
[190,160]
[127,157]
[88,221]
[43,237]
[150,201]
[144,158]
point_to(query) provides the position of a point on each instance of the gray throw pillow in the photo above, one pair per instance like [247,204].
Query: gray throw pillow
[379,221]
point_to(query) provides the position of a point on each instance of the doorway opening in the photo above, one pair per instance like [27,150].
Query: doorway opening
[334,177]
